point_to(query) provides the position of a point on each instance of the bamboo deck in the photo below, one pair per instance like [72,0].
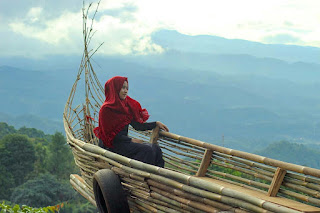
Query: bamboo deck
[277,200]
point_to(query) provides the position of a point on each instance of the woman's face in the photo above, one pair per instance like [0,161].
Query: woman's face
[124,91]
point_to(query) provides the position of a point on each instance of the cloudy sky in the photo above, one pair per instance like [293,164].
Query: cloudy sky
[33,28]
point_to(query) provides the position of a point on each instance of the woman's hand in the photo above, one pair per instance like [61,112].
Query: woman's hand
[135,140]
[162,126]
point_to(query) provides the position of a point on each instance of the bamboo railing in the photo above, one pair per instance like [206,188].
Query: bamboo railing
[251,171]
[198,176]
[164,189]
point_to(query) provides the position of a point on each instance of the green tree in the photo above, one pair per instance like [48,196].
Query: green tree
[40,164]
[6,183]
[33,133]
[17,155]
[44,190]
[5,129]
[79,205]
[60,159]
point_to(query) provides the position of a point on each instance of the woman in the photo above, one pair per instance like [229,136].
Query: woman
[116,113]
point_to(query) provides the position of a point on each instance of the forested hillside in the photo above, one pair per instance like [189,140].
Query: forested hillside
[35,169]
[292,153]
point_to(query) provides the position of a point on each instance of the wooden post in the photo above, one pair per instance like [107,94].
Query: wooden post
[276,182]
[206,160]
[155,135]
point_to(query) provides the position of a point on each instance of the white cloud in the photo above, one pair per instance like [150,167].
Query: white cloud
[34,14]
[246,19]
[124,37]
[54,31]
[121,36]
[126,25]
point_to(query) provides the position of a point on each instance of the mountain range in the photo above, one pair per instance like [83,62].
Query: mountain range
[236,93]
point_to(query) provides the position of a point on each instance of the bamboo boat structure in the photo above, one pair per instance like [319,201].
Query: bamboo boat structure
[198,176]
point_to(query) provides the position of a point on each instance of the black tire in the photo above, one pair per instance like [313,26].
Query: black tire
[108,192]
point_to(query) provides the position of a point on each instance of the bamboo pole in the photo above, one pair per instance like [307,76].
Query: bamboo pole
[181,169]
[82,192]
[147,206]
[301,197]
[235,183]
[181,153]
[81,183]
[193,164]
[303,178]
[302,183]
[182,148]
[138,185]
[188,196]
[243,180]
[245,165]
[139,206]
[240,169]
[249,163]
[304,190]
[180,143]
[179,161]
[170,207]
[160,207]
[183,206]
[195,206]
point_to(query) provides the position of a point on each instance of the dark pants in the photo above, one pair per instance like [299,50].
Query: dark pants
[146,152]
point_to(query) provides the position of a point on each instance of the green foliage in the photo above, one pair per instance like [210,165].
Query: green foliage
[40,164]
[5,207]
[60,157]
[17,155]
[79,205]
[5,129]
[31,132]
[293,153]
[44,190]
[44,175]
[7,183]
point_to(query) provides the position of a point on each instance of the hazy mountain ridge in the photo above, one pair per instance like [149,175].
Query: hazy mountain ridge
[171,39]
[32,121]
[234,65]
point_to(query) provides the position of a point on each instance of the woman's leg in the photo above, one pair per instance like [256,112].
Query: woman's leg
[136,151]
[158,155]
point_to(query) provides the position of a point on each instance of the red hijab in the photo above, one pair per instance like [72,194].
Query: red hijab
[115,113]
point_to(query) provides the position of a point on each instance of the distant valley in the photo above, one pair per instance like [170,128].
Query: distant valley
[247,100]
